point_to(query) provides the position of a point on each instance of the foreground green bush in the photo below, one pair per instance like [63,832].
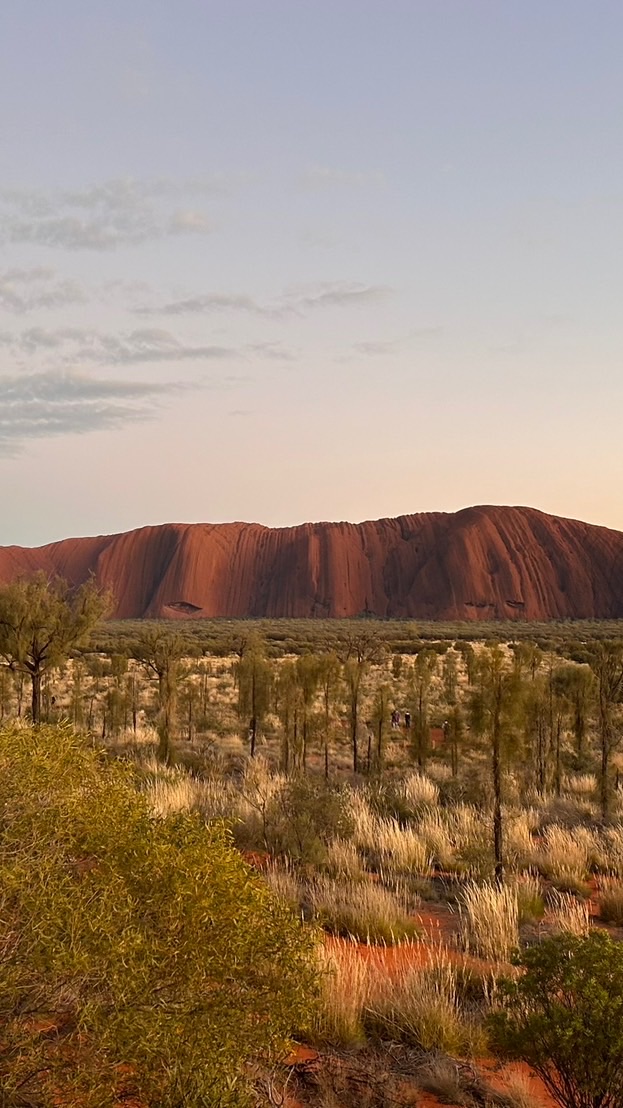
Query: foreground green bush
[135,954]
[564,1016]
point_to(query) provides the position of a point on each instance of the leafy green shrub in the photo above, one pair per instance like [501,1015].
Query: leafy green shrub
[564,1016]
[130,944]
[303,816]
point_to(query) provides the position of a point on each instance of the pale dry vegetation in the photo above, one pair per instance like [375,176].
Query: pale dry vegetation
[406,839]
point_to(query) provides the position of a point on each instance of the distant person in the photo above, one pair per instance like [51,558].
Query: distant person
[407,721]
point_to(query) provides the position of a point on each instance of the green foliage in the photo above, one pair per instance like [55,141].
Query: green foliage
[303,816]
[564,1016]
[161,650]
[41,622]
[253,677]
[300,636]
[130,942]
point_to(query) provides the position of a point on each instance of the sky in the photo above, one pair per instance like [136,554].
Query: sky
[288,260]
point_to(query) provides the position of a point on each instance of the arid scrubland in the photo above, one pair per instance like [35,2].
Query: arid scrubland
[427,814]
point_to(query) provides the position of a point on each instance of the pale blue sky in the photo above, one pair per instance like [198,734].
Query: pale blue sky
[279,260]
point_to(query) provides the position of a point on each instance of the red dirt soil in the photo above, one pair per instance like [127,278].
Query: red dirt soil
[479,563]
[394,959]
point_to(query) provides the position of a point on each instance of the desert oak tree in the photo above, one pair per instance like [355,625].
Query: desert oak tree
[42,621]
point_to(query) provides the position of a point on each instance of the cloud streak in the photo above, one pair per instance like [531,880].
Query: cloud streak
[334,294]
[70,345]
[44,405]
[116,213]
[297,300]
[25,290]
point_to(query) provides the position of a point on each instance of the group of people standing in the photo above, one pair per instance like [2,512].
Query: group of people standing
[396,720]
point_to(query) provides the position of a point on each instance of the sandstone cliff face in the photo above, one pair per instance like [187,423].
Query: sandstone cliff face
[480,563]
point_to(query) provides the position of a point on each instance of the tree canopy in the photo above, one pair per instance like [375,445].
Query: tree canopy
[42,621]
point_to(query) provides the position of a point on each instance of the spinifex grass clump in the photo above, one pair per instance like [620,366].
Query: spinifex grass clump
[565,853]
[346,984]
[364,910]
[367,996]
[144,945]
[611,900]
[530,900]
[490,920]
[567,914]
[421,1005]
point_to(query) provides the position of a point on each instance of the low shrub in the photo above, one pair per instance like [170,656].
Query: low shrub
[137,942]
[564,1016]
[303,816]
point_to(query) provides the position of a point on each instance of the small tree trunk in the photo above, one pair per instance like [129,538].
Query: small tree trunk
[204,693]
[541,755]
[168,713]
[134,704]
[35,678]
[253,734]
[164,741]
[604,782]
[326,741]
[454,748]
[380,752]
[558,775]
[354,726]
[285,746]
[295,741]
[497,798]
[580,730]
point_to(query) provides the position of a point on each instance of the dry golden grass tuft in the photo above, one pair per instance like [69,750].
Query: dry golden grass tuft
[490,920]
[567,914]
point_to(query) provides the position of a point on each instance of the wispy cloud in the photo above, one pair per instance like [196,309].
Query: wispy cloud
[207,304]
[25,290]
[298,299]
[273,350]
[71,345]
[115,213]
[377,349]
[380,347]
[42,405]
[331,294]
